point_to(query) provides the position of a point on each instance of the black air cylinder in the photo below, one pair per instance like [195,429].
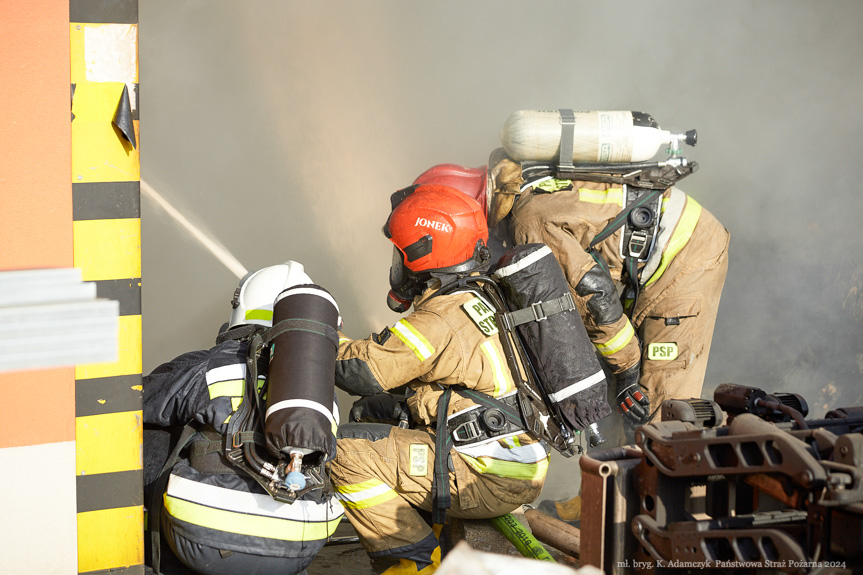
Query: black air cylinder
[558,346]
[301,380]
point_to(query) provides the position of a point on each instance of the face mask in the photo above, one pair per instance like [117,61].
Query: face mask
[403,283]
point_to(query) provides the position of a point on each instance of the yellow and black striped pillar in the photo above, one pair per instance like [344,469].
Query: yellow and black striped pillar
[107,248]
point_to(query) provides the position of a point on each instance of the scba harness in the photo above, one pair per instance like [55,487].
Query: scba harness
[557,394]
[257,498]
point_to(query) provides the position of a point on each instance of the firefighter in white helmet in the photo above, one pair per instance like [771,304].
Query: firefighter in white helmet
[214,516]
[385,474]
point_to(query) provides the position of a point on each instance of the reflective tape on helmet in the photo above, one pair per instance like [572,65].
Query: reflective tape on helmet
[682,233]
[366,494]
[413,339]
[259,314]
[618,341]
[501,381]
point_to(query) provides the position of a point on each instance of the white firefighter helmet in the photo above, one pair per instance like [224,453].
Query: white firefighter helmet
[253,299]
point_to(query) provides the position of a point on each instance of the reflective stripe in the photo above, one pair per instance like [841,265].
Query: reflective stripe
[307,291]
[367,494]
[511,469]
[344,340]
[609,196]
[226,372]
[253,514]
[672,209]
[501,382]
[235,403]
[259,314]
[229,388]
[302,404]
[523,263]
[413,339]
[493,448]
[620,340]
[681,236]
[577,387]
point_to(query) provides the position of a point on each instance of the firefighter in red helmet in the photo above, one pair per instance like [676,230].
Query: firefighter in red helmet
[385,474]
[657,346]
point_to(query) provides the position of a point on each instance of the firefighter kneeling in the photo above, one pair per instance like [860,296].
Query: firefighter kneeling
[385,474]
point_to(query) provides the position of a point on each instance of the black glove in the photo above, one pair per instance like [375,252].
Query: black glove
[381,408]
[632,403]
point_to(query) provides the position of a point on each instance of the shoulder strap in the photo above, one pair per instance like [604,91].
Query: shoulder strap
[630,263]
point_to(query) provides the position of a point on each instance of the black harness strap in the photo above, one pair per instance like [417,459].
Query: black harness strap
[159,486]
[441,498]
[630,264]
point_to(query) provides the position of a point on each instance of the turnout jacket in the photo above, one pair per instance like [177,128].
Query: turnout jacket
[439,345]
[211,508]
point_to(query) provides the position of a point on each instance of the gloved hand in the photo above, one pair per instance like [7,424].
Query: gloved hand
[632,403]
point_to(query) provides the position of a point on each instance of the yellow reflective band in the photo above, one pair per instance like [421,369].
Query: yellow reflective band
[366,494]
[511,469]
[235,403]
[413,339]
[620,340]
[501,383]
[343,340]
[664,204]
[230,388]
[685,227]
[260,314]
[609,196]
[246,524]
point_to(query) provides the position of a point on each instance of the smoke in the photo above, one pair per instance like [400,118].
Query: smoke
[283,127]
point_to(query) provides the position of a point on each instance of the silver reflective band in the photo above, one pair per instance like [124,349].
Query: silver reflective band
[521,264]
[576,387]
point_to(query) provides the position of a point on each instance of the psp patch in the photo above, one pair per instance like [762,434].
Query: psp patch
[662,351]
[419,460]
[482,314]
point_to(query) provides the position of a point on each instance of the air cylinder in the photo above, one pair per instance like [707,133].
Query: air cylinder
[301,416]
[603,137]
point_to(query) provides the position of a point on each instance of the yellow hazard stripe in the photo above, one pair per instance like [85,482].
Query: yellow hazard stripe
[685,227]
[110,538]
[413,339]
[620,340]
[511,469]
[501,382]
[103,441]
[229,388]
[107,249]
[246,524]
[366,494]
[609,196]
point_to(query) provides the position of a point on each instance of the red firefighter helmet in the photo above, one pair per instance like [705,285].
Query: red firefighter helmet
[470,181]
[438,228]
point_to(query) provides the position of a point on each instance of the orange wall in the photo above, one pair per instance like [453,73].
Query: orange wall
[35,135]
[35,195]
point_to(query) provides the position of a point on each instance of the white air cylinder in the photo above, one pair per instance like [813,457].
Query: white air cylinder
[599,137]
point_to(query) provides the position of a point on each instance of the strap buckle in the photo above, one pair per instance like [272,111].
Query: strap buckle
[538,312]
[470,430]
[637,243]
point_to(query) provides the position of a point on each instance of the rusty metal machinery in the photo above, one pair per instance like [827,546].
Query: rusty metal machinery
[764,491]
